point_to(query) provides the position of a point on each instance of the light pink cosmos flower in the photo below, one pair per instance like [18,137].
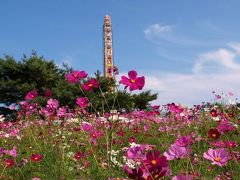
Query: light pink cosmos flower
[31,95]
[12,152]
[136,153]
[52,103]
[184,141]
[82,102]
[90,84]
[176,152]
[219,156]
[61,111]
[182,177]
[47,111]
[133,82]
[86,126]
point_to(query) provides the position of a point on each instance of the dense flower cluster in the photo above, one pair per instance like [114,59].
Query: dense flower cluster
[170,141]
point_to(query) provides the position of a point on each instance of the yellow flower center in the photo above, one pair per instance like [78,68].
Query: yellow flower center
[132,80]
[154,162]
[217,159]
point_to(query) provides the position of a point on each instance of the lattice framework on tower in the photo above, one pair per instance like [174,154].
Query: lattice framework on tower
[108,48]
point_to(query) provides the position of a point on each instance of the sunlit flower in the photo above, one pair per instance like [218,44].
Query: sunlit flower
[90,84]
[219,157]
[133,82]
[76,76]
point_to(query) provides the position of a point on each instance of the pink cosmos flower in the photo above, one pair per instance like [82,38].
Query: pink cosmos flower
[136,153]
[36,178]
[218,144]
[52,103]
[176,152]
[225,126]
[86,126]
[219,157]
[231,144]
[12,152]
[61,111]
[14,132]
[31,95]
[47,111]
[90,84]
[182,177]
[184,141]
[75,76]
[226,144]
[133,81]
[82,102]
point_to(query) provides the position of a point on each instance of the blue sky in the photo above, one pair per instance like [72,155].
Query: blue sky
[186,49]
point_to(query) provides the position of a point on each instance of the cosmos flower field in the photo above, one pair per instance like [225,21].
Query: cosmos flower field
[164,142]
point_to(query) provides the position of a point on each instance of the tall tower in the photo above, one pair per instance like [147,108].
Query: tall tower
[108,66]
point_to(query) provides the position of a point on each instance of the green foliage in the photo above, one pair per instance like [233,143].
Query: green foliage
[19,77]
[141,100]
[35,72]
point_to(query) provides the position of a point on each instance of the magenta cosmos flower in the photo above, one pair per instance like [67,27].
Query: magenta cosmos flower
[82,102]
[31,95]
[36,157]
[154,159]
[133,81]
[90,84]
[76,76]
[219,157]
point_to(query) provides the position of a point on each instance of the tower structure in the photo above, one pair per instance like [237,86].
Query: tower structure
[108,66]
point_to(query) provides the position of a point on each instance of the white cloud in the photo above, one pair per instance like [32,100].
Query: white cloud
[222,58]
[155,29]
[195,87]
[167,35]
[235,46]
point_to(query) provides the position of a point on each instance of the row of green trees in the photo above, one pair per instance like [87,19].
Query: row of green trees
[17,77]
